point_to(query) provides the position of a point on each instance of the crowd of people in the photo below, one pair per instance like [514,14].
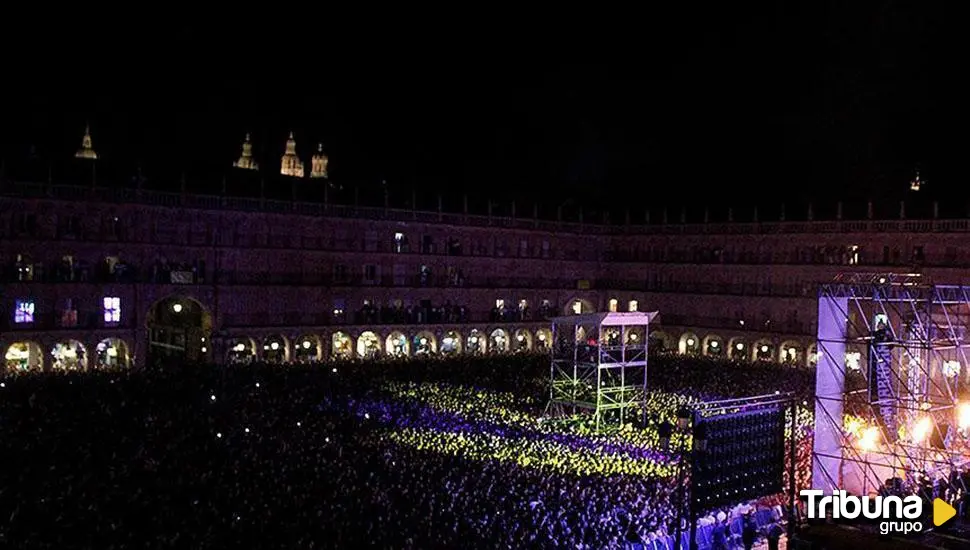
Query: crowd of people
[433,453]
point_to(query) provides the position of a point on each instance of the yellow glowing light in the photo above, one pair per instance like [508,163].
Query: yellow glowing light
[922,429]
[869,439]
[963,416]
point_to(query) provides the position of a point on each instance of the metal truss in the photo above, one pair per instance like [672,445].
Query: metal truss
[893,353]
[599,366]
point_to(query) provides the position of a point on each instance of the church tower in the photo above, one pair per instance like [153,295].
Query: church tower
[318,164]
[87,148]
[291,164]
[246,160]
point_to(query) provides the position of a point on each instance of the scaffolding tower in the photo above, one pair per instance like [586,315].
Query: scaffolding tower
[599,366]
[891,372]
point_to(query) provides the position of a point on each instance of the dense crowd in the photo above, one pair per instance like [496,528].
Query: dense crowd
[420,454]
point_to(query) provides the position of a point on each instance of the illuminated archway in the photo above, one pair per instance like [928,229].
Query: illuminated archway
[764,350]
[543,339]
[397,345]
[689,344]
[179,329]
[451,343]
[578,306]
[23,357]
[241,351]
[498,340]
[522,340]
[714,346]
[738,349]
[424,343]
[790,353]
[69,355]
[368,345]
[811,357]
[341,345]
[476,342]
[307,349]
[112,353]
[660,342]
[276,349]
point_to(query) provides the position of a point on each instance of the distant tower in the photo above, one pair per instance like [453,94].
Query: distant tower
[246,161]
[291,164]
[87,149]
[318,164]
[916,183]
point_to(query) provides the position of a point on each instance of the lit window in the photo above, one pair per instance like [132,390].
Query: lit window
[112,309]
[24,312]
[854,255]
[633,305]
[499,304]
[523,304]
[577,307]
[613,304]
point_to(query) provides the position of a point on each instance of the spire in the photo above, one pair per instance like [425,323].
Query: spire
[246,160]
[291,165]
[318,164]
[87,149]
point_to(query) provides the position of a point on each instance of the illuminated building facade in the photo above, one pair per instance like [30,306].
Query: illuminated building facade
[116,276]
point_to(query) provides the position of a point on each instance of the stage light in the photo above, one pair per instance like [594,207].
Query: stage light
[335,370]
[869,438]
[306,344]
[257,384]
[424,341]
[922,429]
[204,349]
[633,336]
[520,337]
[963,416]
[219,435]
[852,360]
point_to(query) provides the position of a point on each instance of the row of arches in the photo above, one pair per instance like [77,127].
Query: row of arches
[371,344]
[738,348]
[66,355]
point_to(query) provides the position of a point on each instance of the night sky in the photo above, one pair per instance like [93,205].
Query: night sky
[737,105]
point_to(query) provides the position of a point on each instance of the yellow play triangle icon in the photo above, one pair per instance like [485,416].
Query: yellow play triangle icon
[942,512]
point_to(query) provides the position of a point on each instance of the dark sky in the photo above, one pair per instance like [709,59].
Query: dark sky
[730,105]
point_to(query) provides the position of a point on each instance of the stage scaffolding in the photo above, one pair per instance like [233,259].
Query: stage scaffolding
[891,372]
[599,366]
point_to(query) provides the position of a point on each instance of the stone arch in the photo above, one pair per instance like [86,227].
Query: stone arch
[241,350]
[69,355]
[397,345]
[791,352]
[308,349]
[576,306]
[368,345]
[476,342]
[738,349]
[764,350]
[689,344]
[543,339]
[341,345]
[178,327]
[276,349]
[424,343]
[112,353]
[23,357]
[522,340]
[660,341]
[811,355]
[451,342]
[713,346]
[498,340]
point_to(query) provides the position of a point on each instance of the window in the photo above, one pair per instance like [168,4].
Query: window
[400,241]
[112,309]
[633,305]
[854,255]
[577,307]
[340,272]
[523,248]
[613,305]
[545,249]
[338,307]
[499,303]
[523,305]
[24,312]
[370,273]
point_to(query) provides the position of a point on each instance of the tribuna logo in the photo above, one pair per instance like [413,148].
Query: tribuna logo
[895,514]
